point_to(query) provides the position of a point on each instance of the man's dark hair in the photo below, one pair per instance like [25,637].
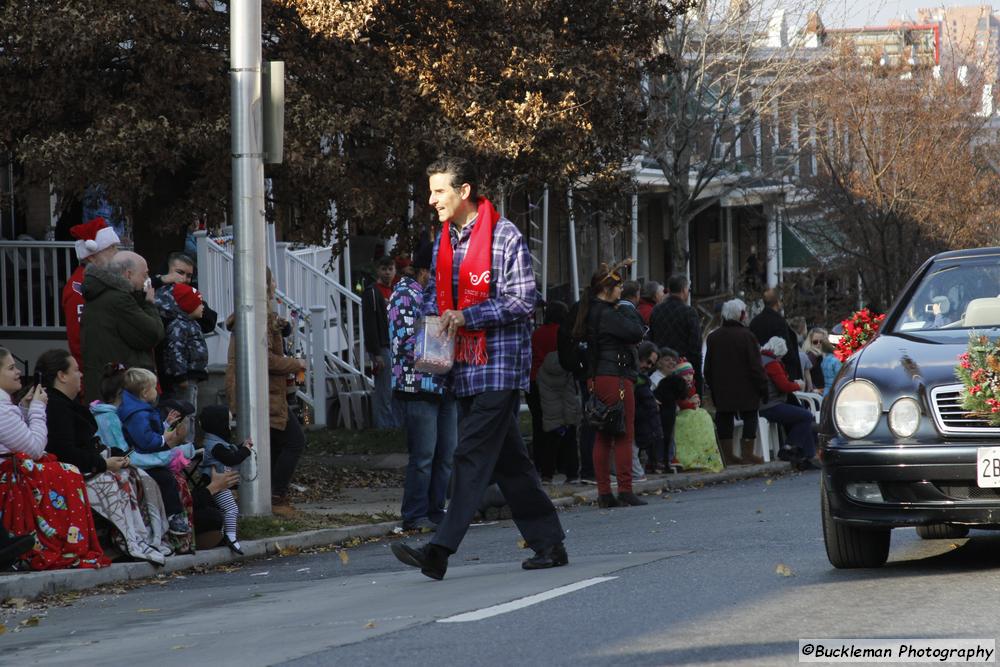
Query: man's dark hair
[461,171]
[181,257]
[647,348]
[630,290]
[384,262]
[669,352]
[556,312]
[649,290]
[677,283]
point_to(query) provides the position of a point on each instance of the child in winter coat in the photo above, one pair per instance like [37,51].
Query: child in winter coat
[221,455]
[144,432]
[185,354]
[560,402]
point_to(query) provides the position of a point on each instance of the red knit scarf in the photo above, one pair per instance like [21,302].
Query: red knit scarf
[473,279]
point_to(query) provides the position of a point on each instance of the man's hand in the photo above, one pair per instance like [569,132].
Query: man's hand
[223,480]
[150,294]
[170,278]
[801,383]
[248,443]
[452,321]
[40,394]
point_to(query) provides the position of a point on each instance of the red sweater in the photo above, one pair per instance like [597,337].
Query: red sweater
[72,303]
[543,341]
[776,371]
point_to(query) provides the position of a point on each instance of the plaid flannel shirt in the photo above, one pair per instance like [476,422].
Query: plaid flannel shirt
[505,316]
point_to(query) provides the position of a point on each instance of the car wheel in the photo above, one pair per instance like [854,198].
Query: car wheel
[942,531]
[849,546]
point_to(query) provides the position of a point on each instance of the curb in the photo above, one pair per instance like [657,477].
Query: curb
[29,585]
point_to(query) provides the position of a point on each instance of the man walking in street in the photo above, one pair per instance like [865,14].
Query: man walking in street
[769,323]
[675,324]
[429,414]
[374,304]
[120,323]
[96,243]
[484,289]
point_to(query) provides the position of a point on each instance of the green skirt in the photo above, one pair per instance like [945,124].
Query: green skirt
[694,435]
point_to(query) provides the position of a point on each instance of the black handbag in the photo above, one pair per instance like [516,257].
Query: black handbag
[604,418]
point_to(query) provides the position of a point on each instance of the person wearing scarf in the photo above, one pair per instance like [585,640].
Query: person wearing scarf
[483,287]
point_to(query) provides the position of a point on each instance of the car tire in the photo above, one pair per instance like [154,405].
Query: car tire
[942,531]
[849,546]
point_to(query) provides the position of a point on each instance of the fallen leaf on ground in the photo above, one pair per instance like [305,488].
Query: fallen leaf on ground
[769,482]
[31,621]
[344,557]
[783,570]
[16,603]
[521,544]
[145,611]
[3,628]
[370,624]
[290,550]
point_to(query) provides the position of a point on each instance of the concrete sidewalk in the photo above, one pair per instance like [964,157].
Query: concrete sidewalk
[28,585]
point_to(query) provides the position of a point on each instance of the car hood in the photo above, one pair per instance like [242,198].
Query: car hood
[906,364]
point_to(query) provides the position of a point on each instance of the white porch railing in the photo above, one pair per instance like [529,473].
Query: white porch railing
[324,314]
[32,276]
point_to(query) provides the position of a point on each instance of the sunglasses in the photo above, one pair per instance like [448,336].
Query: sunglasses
[817,341]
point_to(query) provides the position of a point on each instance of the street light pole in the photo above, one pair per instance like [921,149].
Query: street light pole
[249,287]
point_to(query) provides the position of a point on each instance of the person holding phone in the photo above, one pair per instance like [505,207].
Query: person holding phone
[40,495]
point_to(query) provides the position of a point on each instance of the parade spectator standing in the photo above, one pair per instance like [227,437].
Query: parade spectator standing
[429,413]
[798,421]
[96,243]
[484,289]
[544,446]
[799,327]
[769,323]
[648,426]
[630,306]
[675,324]
[612,333]
[287,439]
[374,304]
[573,359]
[813,347]
[120,322]
[185,357]
[830,365]
[651,295]
[180,269]
[735,376]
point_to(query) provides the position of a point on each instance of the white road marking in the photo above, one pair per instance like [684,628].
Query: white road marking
[521,603]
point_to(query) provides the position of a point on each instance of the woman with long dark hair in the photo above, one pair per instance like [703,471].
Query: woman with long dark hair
[611,333]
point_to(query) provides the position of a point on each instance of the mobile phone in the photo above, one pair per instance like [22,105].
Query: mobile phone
[37,378]
[173,425]
[129,452]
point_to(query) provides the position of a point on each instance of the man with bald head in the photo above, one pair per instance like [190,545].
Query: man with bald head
[120,323]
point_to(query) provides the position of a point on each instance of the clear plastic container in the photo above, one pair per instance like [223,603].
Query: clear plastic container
[434,350]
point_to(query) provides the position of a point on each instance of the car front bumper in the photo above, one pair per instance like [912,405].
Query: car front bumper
[917,484]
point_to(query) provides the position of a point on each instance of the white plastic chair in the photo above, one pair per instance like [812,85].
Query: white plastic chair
[812,401]
[768,438]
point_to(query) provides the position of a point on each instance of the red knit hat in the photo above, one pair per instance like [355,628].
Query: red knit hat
[187,297]
[92,237]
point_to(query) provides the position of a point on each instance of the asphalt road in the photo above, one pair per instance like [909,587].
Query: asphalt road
[731,574]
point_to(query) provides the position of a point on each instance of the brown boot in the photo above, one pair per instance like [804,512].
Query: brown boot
[282,507]
[728,458]
[746,453]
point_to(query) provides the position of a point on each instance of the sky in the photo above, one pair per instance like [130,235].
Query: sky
[856,13]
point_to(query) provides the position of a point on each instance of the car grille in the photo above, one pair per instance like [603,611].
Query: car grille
[967,491]
[951,418]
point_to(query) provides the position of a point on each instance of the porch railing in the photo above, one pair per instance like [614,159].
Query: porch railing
[32,276]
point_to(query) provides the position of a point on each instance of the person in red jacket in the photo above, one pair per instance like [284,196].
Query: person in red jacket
[543,341]
[800,447]
[96,243]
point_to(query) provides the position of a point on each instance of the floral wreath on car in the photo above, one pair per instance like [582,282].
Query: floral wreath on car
[979,370]
[859,328]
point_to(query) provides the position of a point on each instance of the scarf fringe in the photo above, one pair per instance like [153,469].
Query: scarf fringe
[470,348]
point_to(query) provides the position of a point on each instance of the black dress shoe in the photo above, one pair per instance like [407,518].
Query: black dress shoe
[629,498]
[430,558]
[13,547]
[554,556]
[234,545]
[606,500]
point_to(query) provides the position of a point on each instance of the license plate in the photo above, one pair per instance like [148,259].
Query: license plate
[988,467]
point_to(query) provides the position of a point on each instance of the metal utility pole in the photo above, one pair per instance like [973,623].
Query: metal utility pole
[248,229]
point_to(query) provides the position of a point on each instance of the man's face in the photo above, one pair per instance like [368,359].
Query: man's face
[666,365]
[103,257]
[445,199]
[649,363]
[660,295]
[686,293]
[183,271]
[138,275]
[386,274]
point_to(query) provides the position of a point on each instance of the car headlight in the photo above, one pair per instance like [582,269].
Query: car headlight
[904,417]
[857,409]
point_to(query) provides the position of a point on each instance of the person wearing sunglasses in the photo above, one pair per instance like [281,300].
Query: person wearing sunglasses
[812,345]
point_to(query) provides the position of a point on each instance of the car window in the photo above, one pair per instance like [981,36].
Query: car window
[965,295]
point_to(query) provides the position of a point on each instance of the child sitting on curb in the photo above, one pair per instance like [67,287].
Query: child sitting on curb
[222,456]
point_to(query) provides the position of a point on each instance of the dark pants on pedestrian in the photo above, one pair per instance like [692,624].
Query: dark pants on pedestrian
[557,453]
[431,435]
[798,423]
[534,401]
[490,449]
[665,452]
[724,424]
[286,449]
[587,437]
[165,479]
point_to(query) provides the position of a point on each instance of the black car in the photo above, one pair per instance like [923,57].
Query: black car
[897,447]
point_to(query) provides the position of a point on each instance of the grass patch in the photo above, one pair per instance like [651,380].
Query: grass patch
[257,527]
[369,441]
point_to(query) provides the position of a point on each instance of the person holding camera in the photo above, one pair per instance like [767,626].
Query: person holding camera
[612,335]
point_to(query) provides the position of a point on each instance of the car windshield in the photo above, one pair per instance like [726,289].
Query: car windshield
[955,296]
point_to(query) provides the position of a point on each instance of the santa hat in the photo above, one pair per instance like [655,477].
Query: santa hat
[187,297]
[92,237]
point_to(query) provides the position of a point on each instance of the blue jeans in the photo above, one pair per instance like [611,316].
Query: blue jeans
[798,423]
[431,437]
[383,411]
